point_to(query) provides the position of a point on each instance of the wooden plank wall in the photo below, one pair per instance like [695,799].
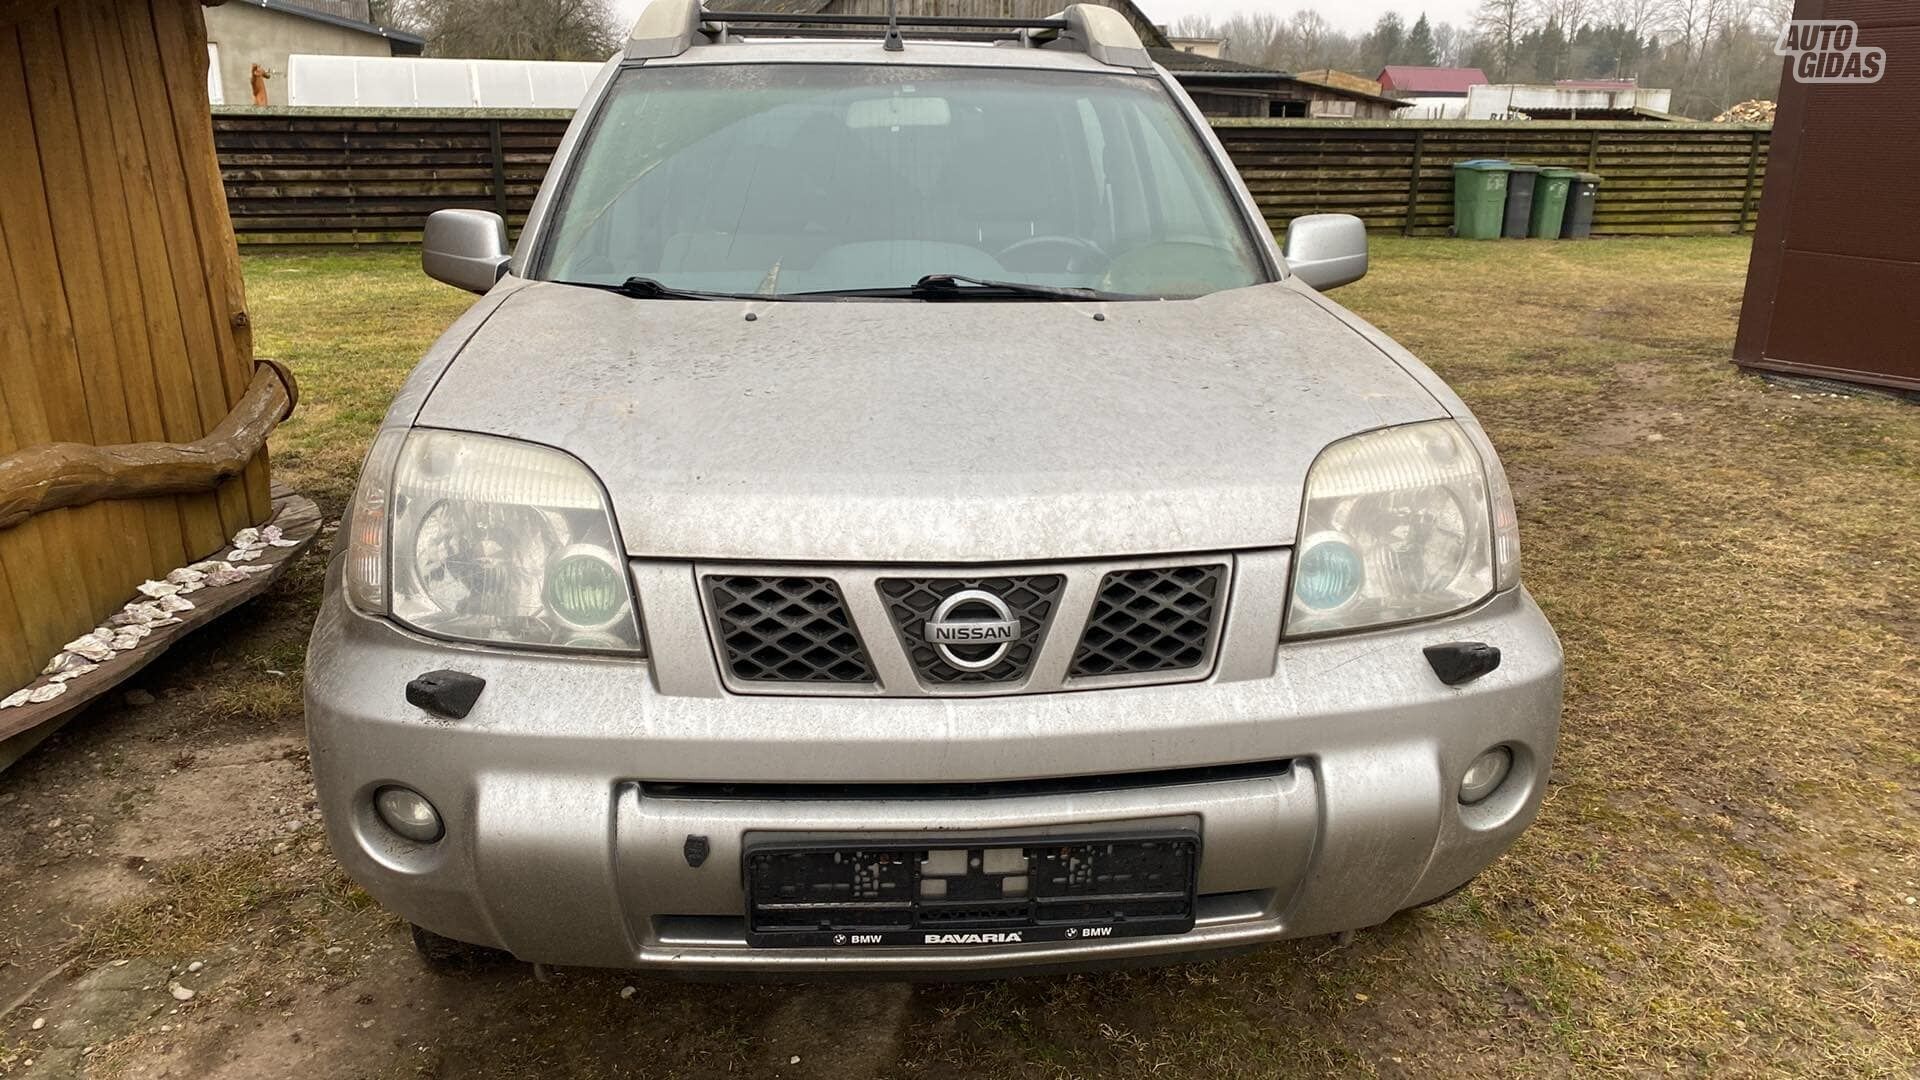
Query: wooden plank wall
[333,176]
[1659,179]
[119,287]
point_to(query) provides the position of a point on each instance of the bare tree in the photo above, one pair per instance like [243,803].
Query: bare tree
[1637,17]
[1502,23]
[1301,42]
[1693,23]
[1306,37]
[1570,14]
[1251,36]
[1692,26]
[1449,45]
[513,29]
[1200,26]
[1773,16]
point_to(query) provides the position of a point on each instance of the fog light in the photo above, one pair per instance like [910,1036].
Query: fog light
[408,813]
[1485,775]
[586,589]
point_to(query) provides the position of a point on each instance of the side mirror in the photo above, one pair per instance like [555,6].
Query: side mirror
[1327,250]
[465,248]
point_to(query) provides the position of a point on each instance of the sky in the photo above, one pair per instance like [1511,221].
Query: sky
[1348,15]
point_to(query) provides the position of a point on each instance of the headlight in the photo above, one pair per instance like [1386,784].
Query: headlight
[1397,525]
[491,540]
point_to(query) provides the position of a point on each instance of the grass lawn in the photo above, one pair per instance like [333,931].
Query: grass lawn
[1722,881]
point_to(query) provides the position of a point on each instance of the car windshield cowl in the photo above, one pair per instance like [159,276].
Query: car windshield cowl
[949,288]
[933,288]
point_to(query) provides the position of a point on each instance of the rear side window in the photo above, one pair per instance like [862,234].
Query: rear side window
[793,178]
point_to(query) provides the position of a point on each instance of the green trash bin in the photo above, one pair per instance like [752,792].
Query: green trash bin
[1550,203]
[1578,224]
[1479,198]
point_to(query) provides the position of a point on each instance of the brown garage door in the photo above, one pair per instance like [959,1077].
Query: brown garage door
[1834,286]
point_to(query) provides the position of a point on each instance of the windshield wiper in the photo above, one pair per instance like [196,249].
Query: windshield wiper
[942,284]
[646,288]
[947,287]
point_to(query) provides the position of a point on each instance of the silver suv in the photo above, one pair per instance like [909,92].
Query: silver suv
[897,510]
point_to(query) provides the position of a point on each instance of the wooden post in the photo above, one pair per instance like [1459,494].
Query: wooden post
[1753,173]
[499,168]
[1593,151]
[1413,184]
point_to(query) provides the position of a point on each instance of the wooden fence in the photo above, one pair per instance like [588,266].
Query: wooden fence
[372,176]
[1658,179]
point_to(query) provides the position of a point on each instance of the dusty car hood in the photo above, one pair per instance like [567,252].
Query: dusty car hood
[910,432]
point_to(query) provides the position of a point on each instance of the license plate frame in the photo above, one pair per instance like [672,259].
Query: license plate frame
[872,893]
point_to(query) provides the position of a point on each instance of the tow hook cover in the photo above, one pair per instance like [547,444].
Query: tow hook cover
[1460,662]
[451,694]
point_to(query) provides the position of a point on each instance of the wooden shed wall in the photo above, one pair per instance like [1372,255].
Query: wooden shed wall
[121,305]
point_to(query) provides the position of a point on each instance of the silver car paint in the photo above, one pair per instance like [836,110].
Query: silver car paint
[1028,433]
[557,853]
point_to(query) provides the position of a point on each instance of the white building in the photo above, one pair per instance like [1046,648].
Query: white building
[417,83]
[245,34]
[1504,101]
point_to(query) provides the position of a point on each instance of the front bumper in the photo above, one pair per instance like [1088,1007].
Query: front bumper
[570,792]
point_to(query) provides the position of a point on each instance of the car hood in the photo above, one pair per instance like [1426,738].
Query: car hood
[931,432]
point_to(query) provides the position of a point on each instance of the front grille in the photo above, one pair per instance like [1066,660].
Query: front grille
[787,630]
[1032,600]
[1150,620]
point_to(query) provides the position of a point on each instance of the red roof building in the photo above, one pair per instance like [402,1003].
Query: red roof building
[1402,79]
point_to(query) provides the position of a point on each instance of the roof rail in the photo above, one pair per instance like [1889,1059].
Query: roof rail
[665,28]
[670,27]
[1104,34]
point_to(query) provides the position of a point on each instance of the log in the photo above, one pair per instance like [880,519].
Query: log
[56,475]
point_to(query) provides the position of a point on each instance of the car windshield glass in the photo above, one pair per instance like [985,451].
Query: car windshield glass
[792,179]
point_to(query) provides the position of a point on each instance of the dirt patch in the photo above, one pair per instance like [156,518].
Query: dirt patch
[862,1040]
[95,884]
[232,796]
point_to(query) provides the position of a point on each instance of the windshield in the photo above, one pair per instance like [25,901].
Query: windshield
[789,179]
